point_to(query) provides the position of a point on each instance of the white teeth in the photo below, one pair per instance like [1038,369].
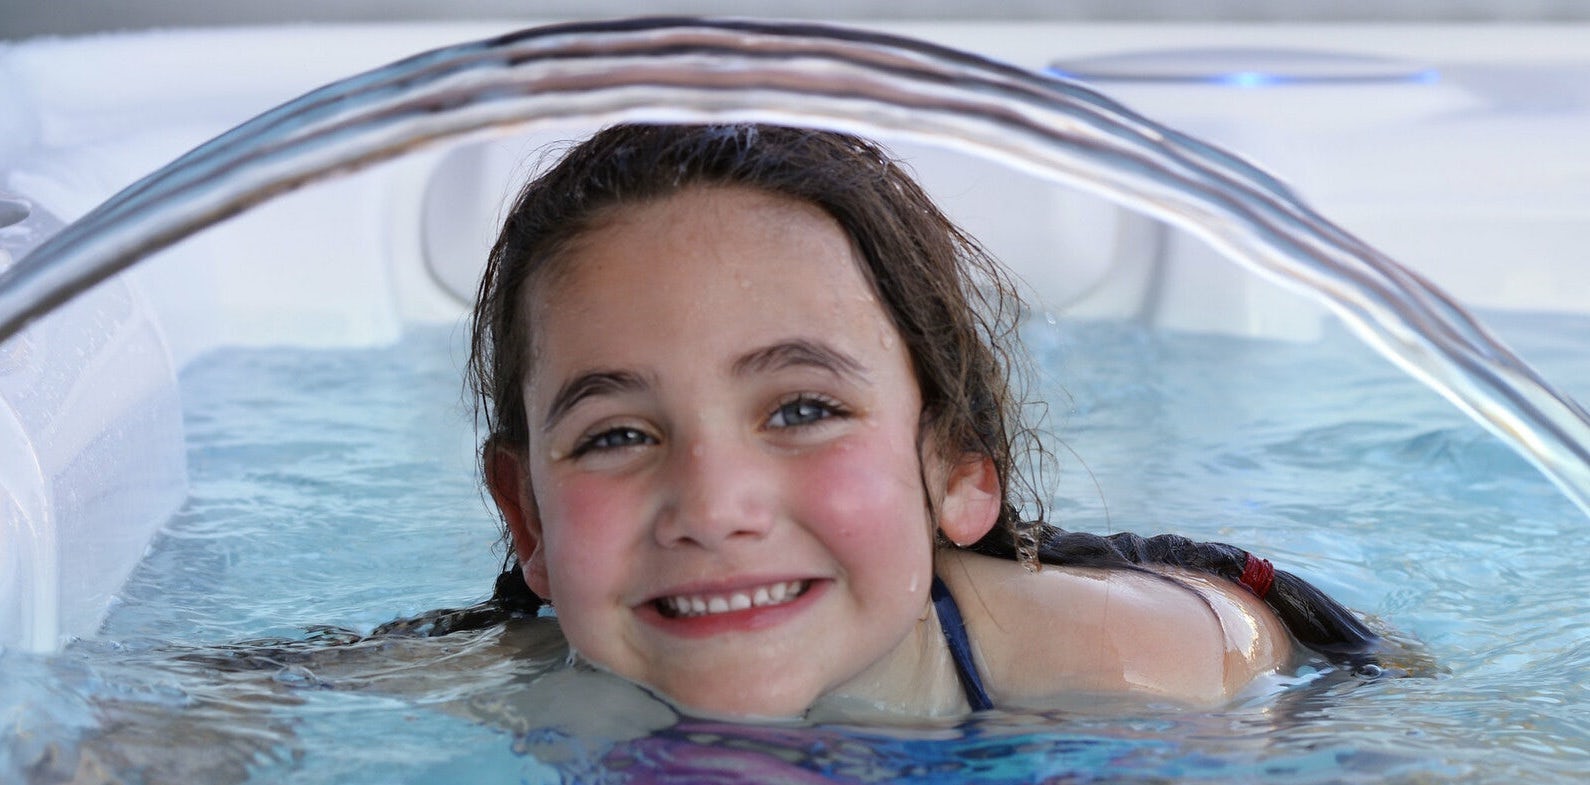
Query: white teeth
[761,596]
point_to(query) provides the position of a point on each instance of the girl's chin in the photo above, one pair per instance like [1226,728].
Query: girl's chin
[730,702]
[739,714]
[742,700]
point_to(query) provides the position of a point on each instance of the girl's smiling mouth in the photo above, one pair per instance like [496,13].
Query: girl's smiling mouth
[686,606]
[695,614]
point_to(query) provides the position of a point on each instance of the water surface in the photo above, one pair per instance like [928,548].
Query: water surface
[333,491]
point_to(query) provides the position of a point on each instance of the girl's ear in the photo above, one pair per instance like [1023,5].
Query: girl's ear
[972,499]
[509,481]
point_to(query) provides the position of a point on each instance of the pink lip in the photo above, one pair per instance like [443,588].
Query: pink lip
[746,620]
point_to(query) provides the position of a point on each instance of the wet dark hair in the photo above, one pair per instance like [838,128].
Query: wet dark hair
[956,310]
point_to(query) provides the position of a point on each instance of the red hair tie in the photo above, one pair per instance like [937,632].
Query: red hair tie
[1257,575]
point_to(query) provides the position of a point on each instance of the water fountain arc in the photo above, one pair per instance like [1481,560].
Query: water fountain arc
[694,70]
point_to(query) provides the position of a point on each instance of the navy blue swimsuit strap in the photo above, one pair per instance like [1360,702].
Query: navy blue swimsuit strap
[960,646]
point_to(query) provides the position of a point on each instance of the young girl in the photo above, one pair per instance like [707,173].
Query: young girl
[752,435]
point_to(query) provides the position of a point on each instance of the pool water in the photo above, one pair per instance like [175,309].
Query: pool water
[333,491]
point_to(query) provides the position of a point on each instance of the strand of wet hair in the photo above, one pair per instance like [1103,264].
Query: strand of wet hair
[1312,617]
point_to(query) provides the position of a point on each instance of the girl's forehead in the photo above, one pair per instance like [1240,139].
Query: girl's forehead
[716,210]
[709,265]
[777,249]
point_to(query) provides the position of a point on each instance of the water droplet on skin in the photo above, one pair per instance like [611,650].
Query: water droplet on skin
[887,338]
[1049,317]
[914,583]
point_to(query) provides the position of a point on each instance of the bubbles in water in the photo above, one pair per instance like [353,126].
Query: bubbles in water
[299,677]
[1368,671]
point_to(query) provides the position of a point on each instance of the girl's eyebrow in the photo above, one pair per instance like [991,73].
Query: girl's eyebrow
[799,352]
[588,384]
[785,354]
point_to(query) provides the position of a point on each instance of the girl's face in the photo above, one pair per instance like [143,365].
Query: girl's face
[722,494]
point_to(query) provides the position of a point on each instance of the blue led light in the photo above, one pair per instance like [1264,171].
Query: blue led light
[1247,79]
[1243,68]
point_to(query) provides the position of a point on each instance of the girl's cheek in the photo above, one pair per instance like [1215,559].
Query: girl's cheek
[583,510]
[854,491]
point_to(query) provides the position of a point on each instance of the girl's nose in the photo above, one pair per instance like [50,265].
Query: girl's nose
[719,492]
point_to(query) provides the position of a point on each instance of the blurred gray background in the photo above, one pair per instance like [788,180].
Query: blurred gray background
[26,18]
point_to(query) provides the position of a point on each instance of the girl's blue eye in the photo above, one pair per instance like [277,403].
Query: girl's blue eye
[802,411]
[613,439]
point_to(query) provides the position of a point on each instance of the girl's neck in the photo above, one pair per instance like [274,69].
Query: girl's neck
[918,679]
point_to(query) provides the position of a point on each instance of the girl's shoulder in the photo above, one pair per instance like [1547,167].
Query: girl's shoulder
[1187,637]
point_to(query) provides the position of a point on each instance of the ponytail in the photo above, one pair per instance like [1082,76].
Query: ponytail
[1314,619]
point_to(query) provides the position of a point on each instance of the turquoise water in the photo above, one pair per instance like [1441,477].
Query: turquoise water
[334,490]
